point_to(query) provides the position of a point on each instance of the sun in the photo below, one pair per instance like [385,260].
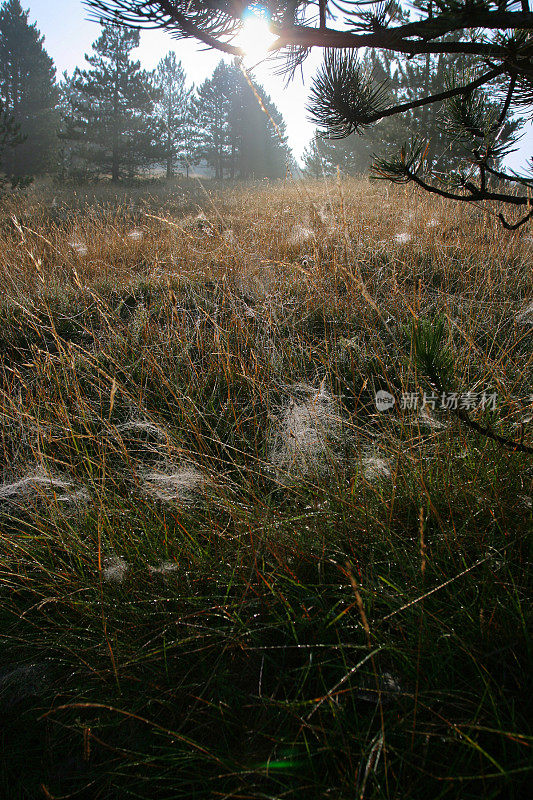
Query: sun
[255,36]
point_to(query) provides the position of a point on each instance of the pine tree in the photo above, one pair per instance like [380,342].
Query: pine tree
[190,153]
[173,112]
[10,137]
[109,105]
[28,93]
[316,158]
[323,156]
[69,159]
[214,114]
[236,120]
[265,153]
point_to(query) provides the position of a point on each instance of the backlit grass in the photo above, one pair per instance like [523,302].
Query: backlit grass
[224,572]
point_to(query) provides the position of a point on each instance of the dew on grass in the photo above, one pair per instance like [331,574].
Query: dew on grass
[114,569]
[307,260]
[79,247]
[37,484]
[164,568]
[203,224]
[390,683]
[375,467]
[182,482]
[525,420]
[525,316]
[137,426]
[18,682]
[402,238]
[299,235]
[325,215]
[308,430]
[426,419]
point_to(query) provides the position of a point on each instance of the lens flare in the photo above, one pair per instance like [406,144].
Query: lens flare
[255,36]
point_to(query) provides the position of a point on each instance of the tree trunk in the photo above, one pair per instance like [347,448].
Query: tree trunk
[115,156]
[169,137]
[115,164]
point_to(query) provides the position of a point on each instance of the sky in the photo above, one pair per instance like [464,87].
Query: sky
[69,35]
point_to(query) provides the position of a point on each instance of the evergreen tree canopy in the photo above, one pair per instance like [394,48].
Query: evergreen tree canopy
[28,93]
[495,36]
[10,137]
[352,155]
[190,151]
[214,110]
[316,158]
[237,132]
[109,105]
[173,113]
[260,130]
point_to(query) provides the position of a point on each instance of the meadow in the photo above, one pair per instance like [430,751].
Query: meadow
[225,572]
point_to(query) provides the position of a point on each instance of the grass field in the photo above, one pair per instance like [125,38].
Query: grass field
[225,573]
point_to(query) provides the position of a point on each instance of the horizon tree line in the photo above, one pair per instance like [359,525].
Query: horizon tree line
[114,118]
[488,85]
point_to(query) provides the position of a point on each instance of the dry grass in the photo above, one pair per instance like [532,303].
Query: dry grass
[192,453]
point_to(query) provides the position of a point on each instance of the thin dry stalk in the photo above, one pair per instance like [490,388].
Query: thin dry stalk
[366,627]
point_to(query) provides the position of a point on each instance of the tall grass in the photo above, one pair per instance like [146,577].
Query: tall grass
[226,573]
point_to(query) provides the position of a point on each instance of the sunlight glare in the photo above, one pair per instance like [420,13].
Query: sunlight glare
[255,36]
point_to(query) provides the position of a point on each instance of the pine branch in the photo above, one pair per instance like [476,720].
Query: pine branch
[406,169]
[476,193]
[436,362]
[386,39]
[514,227]
[507,103]
[343,104]
[211,22]
[343,97]
[504,176]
